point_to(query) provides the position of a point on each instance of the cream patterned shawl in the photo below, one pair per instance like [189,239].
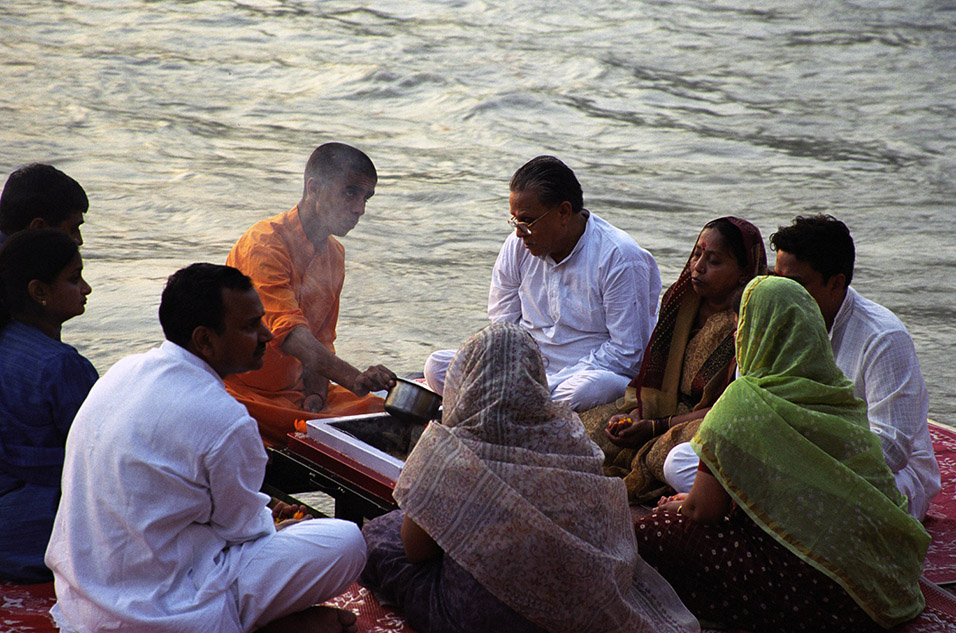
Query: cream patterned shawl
[510,486]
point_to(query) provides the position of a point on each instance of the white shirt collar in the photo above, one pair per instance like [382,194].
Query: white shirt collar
[843,314]
[177,351]
[579,244]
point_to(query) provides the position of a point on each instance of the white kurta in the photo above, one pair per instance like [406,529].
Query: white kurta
[874,350]
[591,314]
[161,511]
[594,311]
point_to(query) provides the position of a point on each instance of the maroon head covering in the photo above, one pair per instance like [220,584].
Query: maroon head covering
[651,375]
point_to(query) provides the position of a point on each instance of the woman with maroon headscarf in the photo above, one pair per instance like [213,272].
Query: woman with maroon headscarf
[689,359]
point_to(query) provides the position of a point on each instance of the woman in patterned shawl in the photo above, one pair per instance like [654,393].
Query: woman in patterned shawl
[794,522]
[689,359]
[507,521]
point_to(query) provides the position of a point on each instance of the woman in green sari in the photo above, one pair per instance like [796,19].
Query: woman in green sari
[793,522]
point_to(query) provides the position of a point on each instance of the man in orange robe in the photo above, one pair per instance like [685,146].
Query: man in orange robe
[298,268]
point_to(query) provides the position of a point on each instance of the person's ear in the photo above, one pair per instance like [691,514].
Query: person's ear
[38,291]
[38,223]
[312,187]
[203,341]
[836,284]
[566,212]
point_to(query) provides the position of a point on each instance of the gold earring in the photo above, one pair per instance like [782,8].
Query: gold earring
[43,302]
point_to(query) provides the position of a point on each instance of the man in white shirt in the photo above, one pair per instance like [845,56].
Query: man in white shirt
[161,527]
[583,289]
[870,345]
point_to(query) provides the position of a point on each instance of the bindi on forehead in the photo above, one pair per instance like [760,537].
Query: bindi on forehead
[712,241]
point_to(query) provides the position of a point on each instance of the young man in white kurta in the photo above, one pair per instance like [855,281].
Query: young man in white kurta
[161,526]
[591,312]
[874,350]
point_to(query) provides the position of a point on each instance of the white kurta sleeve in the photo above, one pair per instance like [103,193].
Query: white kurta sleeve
[236,467]
[504,303]
[896,396]
[630,313]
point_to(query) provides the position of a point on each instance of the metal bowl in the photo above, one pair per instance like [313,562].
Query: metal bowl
[412,401]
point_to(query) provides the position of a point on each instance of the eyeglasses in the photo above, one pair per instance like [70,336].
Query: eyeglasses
[525,227]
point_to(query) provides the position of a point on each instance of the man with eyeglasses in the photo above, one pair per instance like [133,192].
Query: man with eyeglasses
[583,289]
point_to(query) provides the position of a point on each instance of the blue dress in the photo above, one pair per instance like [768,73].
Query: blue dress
[42,384]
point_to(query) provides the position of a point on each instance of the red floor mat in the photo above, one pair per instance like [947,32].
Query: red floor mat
[939,616]
[26,608]
[372,616]
[940,566]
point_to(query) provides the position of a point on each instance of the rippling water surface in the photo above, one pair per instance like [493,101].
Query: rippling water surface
[188,121]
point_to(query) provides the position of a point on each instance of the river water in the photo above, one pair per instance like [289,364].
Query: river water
[188,121]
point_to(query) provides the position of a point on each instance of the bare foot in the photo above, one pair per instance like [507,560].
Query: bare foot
[314,620]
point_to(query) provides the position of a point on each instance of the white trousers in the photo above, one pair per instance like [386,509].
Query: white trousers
[680,468]
[581,390]
[279,574]
[300,566]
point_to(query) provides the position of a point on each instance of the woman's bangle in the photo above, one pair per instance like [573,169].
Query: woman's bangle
[662,425]
[679,508]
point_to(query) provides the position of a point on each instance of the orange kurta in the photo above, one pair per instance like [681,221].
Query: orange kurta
[299,288]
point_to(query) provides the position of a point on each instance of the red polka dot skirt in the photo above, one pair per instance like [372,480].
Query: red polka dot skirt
[734,574]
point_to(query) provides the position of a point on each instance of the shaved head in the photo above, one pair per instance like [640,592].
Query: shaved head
[331,161]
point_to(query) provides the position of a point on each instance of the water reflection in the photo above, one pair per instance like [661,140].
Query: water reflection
[188,121]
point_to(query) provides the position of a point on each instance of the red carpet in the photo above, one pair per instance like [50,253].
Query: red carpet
[940,566]
[372,617]
[938,617]
[26,608]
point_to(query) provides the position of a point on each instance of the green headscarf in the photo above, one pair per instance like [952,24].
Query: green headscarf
[791,445]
